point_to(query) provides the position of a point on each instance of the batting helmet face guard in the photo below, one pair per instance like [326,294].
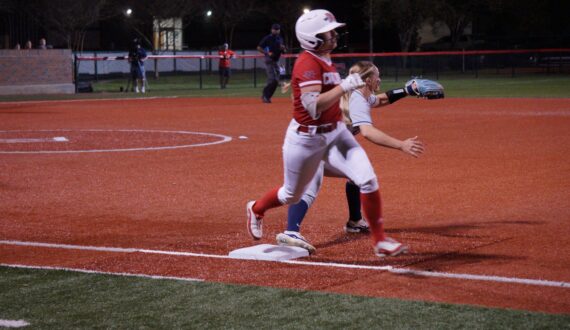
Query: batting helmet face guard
[310,24]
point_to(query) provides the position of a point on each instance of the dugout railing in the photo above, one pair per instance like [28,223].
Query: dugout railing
[196,70]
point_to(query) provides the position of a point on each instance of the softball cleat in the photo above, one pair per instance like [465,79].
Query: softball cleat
[360,226]
[254,223]
[389,248]
[293,238]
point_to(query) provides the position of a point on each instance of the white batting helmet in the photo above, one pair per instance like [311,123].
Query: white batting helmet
[310,24]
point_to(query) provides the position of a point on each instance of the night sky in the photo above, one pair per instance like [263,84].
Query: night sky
[202,34]
[506,24]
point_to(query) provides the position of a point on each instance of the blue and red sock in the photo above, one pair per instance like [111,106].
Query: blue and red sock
[296,214]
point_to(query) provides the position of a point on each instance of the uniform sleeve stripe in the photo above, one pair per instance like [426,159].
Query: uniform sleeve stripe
[310,82]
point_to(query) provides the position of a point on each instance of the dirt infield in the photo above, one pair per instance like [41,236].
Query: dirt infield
[491,196]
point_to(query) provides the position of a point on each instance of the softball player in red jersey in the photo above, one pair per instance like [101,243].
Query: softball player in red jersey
[317,132]
[356,108]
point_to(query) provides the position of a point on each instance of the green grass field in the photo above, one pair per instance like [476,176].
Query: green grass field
[241,84]
[64,300]
[456,86]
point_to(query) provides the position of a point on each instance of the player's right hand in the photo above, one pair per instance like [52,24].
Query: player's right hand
[413,147]
[352,82]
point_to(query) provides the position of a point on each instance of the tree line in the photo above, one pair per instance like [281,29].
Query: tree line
[71,19]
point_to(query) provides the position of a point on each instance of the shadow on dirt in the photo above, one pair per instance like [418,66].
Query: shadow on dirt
[447,255]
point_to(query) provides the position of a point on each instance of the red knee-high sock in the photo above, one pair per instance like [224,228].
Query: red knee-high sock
[372,207]
[268,201]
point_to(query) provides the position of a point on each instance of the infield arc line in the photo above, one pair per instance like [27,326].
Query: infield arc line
[390,269]
[223,139]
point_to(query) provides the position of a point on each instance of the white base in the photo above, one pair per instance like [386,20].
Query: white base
[269,252]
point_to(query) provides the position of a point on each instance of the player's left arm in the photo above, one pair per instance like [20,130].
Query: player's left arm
[312,98]
[322,101]
[388,97]
[424,88]
[327,99]
[378,100]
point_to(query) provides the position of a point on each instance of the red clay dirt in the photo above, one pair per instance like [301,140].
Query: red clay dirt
[489,197]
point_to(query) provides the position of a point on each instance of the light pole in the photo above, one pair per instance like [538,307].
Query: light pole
[209,60]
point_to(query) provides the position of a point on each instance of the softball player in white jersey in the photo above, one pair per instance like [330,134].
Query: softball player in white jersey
[356,107]
[317,133]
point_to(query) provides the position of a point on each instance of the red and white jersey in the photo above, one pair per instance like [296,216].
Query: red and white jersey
[225,56]
[312,70]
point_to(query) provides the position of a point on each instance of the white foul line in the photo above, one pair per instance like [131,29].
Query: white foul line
[86,271]
[13,323]
[394,270]
[36,140]
[88,100]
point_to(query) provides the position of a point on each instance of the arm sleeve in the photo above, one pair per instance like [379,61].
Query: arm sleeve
[359,110]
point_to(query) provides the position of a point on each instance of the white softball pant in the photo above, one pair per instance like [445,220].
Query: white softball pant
[306,155]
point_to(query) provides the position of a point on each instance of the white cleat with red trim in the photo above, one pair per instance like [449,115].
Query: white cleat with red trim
[389,248]
[254,224]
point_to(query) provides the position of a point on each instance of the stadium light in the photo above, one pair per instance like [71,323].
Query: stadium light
[209,13]
[306,10]
[129,12]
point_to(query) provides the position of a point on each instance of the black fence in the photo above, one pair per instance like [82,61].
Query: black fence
[199,70]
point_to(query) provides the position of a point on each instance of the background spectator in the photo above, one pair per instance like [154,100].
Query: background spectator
[137,56]
[226,55]
[42,44]
[271,46]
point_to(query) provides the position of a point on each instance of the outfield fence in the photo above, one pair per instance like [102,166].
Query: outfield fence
[198,69]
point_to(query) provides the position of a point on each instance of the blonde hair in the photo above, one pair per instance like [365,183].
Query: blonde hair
[366,69]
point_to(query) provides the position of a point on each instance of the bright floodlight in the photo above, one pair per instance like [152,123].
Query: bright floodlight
[209,13]
[128,12]
[306,10]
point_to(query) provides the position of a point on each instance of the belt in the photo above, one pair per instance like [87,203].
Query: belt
[317,129]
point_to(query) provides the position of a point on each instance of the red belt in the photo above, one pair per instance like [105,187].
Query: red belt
[317,129]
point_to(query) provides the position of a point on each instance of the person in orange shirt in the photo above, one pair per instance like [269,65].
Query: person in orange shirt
[226,55]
